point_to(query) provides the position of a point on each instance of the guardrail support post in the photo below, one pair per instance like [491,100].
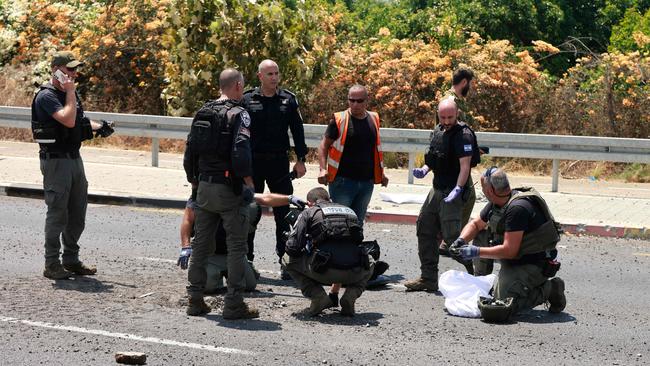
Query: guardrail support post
[556,174]
[411,166]
[155,147]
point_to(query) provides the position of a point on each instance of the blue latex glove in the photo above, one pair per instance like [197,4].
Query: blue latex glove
[296,201]
[248,194]
[454,194]
[184,258]
[466,252]
[421,172]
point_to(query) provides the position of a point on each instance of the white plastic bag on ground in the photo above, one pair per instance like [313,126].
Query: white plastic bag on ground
[462,290]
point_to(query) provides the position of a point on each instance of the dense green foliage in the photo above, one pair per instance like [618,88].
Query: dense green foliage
[541,65]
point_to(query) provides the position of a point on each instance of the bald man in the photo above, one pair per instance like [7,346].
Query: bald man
[452,152]
[273,112]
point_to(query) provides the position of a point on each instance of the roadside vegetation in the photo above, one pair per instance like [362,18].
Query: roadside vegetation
[558,67]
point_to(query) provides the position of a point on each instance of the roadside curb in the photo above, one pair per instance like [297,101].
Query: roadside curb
[111,198]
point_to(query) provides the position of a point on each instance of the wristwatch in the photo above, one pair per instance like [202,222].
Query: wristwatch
[302,159]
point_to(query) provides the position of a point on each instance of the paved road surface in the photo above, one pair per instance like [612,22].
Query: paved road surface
[134,304]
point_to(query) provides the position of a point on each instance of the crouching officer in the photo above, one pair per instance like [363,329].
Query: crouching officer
[523,236]
[218,156]
[59,125]
[324,248]
[217,264]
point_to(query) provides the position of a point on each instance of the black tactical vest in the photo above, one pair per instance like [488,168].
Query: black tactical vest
[540,240]
[51,135]
[339,224]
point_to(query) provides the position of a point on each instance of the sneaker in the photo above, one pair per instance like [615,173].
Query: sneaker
[56,272]
[197,307]
[334,298]
[80,269]
[556,298]
[318,304]
[242,311]
[421,284]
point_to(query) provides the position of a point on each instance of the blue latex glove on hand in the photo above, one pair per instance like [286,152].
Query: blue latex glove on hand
[248,194]
[420,173]
[466,252]
[454,194]
[184,258]
[296,201]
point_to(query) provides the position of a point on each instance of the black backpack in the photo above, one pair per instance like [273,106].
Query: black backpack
[210,133]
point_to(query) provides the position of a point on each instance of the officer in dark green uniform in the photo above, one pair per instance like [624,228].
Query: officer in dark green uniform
[461,85]
[323,248]
[451,155]
[274,111]
[59,125]
[523,235]
[218,158]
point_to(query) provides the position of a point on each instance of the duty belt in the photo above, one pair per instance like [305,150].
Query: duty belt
[220,179]
[59,155]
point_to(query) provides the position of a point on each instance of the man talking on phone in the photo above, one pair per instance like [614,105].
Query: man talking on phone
[59,125]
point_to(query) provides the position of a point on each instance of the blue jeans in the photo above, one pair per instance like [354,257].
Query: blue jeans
[352,193]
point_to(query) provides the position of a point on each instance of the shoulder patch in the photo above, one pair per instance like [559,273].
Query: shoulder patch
[245,118]
[467,148]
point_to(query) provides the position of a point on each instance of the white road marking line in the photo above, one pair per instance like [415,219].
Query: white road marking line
[134,337]
[156,259]
[642,254]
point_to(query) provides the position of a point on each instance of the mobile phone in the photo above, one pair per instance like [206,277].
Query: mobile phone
[60,76]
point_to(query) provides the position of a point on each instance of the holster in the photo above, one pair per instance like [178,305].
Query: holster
[550,267]
[320,261]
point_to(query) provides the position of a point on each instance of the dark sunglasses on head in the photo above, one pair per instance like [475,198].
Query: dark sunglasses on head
[489,171]
[352,100]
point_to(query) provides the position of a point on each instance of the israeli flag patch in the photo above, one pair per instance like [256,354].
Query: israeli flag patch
[468,148]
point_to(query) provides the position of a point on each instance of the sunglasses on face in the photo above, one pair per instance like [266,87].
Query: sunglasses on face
[352,100]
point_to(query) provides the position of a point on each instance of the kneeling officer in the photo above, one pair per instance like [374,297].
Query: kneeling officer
[523,235]
[324,248]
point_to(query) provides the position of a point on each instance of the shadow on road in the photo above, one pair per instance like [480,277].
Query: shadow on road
[334,317]
[543,317]
[248,324]
[83,284]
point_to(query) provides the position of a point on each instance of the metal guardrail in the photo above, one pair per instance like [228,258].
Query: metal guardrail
[411,141]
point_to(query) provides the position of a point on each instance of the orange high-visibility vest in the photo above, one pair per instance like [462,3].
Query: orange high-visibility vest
[336,149]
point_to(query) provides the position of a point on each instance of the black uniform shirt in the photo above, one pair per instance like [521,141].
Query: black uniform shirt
[460,145]
[357,161]
[272,117]
[47,102]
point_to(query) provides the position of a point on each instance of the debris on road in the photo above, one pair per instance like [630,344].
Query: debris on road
[131,358]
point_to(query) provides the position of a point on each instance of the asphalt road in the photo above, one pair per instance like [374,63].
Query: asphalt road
[135,304]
